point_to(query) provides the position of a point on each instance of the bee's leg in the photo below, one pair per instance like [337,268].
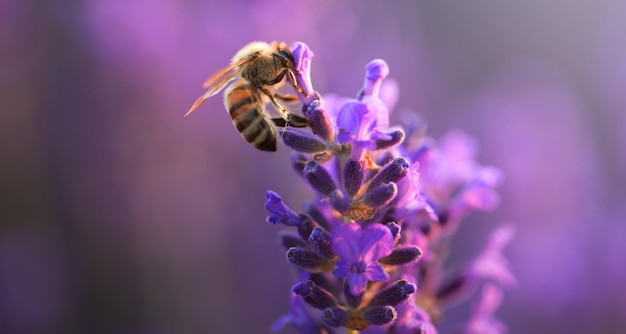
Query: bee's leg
[294,83]
[292,77]
[297,121]
[278,79]
[282,110]
[294,121]
[279,121]
[286,98]
[290,119]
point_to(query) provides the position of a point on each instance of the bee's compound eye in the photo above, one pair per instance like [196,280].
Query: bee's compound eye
[285,55]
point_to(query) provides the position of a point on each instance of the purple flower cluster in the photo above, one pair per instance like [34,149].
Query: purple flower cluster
[370,246]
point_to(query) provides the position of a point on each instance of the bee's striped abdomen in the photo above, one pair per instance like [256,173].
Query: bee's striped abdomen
[249,117]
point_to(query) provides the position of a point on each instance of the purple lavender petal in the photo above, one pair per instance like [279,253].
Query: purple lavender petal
[489,176]
[344,239]
[358,250]
[379,111]
[389,91]
[376,242]
[375,272]
[342,269]
[332,104]
[354,301]
[375,72]
[302,56]
[362,123]
[279,212]
[349,120]
[357,283]
[480,198]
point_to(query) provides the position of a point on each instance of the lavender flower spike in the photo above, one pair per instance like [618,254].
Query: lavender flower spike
[386,201]
[359,250]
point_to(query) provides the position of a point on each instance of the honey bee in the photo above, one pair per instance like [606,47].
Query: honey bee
[259,68]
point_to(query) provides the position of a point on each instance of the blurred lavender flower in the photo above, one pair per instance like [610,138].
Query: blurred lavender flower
[482,320]
[387,200]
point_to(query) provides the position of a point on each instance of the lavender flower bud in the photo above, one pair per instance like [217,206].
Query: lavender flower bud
[320,120]
[339,201]
[444,217]
[298,162]
[290,239]
[393,294]
[319,178]
[306,226]
[455,287]
[302,141]
[318,216]
[392,172]
[320,241]
[401,255]
[395,231]
[354,301]
[415,126]
[380,315]
[381,195]
[396,137]
[353,174]
[335,316]
[375,72]
[307,259]
[314,295]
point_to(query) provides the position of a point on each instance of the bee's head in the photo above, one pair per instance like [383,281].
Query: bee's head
[287,58]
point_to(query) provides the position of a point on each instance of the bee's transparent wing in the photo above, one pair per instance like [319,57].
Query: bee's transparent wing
[219,80]
[216,83]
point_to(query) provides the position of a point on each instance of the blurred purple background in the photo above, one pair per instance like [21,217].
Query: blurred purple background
[119,215]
